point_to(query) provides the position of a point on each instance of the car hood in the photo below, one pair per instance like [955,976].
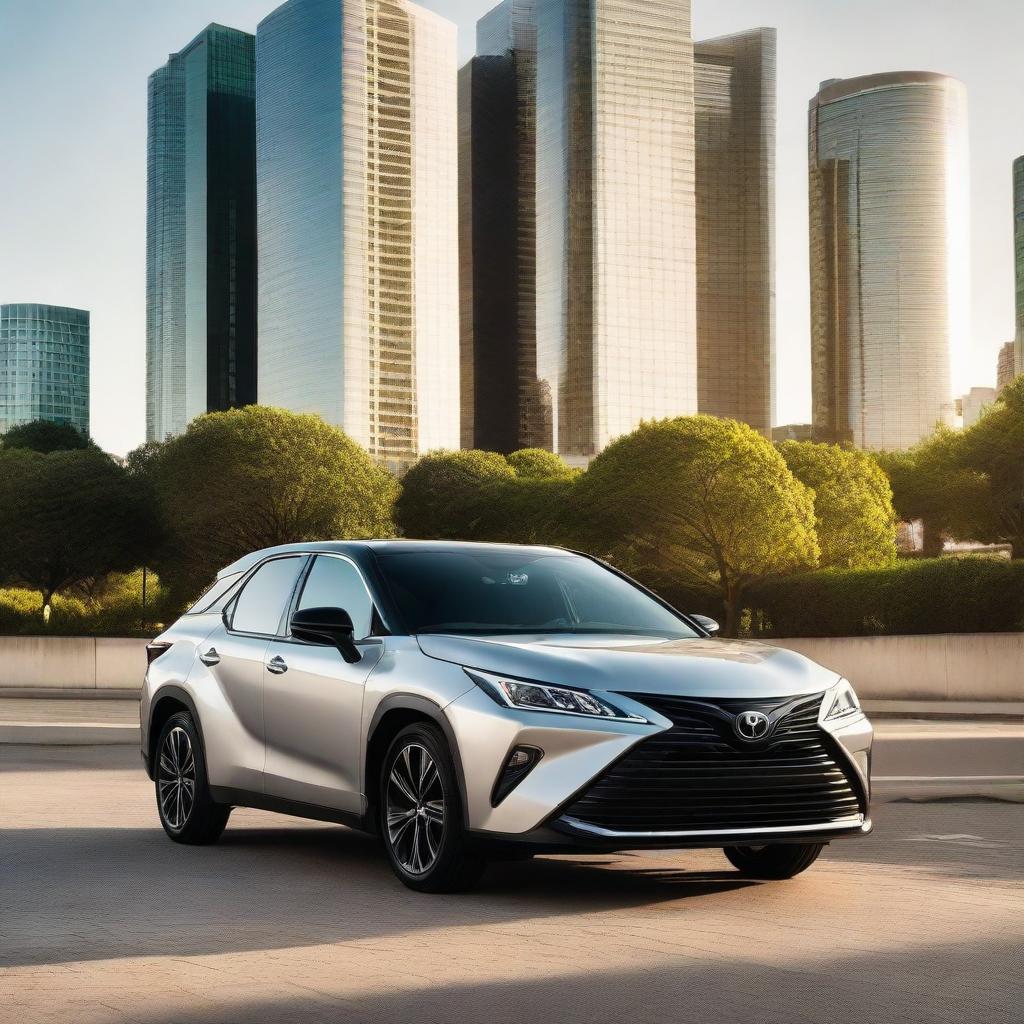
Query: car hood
[701,667]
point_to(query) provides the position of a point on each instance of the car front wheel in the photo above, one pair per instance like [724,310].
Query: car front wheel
[421,814]
[775,860]
[187,811]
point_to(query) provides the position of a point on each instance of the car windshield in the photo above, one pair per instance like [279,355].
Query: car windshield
[520,592]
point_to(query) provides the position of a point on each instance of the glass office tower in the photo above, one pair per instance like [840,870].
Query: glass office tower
[890,268]
[201,232]
[735,189]
[502,409]
[1018,261]
[597,241]
[44,365]
[358,221]
[616,288]
[1005,368]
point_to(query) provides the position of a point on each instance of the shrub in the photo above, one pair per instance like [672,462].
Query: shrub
[853,512]
[439,493]
[114,608]
[539,463]
[935,595]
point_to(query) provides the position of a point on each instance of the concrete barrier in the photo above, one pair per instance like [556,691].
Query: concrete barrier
[948,666]
[71,662]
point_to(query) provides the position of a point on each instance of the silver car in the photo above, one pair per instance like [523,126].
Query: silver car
[474,702]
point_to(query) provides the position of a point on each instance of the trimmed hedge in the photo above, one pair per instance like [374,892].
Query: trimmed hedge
[970,594]
[115,610]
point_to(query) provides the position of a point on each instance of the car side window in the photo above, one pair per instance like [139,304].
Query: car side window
[336,583]
[264,597]
[215,595]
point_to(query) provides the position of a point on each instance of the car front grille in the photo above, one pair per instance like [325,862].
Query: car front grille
[700,776]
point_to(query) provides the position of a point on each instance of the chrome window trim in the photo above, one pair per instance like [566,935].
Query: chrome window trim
[833,826]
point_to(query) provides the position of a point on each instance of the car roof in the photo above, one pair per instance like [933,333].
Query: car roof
[357,547]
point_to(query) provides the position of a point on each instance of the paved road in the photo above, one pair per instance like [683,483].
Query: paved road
[103,920]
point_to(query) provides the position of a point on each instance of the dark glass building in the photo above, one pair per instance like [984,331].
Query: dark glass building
[497,218]
[44,365]
[201,232]
[734,102]
[587,269]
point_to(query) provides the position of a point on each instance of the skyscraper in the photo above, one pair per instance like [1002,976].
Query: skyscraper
[605,317]
[358,221]
[975,404]
[1005,366]
[889,255]
[735,189]
[44,365]
[501,407]
[1018,261]
[201,232]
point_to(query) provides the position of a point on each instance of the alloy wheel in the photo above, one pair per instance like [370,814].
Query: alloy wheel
[176,778]
[415,809]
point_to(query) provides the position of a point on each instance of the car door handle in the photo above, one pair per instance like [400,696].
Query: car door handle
[277,665]
[210,657]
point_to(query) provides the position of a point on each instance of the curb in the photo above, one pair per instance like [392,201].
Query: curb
[69,734]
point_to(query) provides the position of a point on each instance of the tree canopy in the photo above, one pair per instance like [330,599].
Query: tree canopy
[45,436]
[540,464]
[438,499]
[67,516]
[255,477]
[992,453]
[702,500]
[969,484]
[853,511]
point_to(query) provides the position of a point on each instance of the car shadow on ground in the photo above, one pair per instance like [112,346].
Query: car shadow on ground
[841,986]
[87,893]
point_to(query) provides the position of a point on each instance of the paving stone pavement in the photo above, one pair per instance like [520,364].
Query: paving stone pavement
[102,919]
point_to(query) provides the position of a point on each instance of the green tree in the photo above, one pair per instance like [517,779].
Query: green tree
[933,483]
[703,501]
[853,511]
[540,464]
[440,492]
[255,477]
[993,450]
[68,516]
[44,436]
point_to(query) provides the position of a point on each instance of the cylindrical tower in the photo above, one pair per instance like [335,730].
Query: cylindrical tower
[890,270]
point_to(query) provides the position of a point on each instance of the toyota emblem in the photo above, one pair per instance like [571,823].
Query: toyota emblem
[751,725]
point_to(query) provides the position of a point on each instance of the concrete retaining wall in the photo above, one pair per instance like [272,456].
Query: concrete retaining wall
[72,662]
[960,667]
[948,666]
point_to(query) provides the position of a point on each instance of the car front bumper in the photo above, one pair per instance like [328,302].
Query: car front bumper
[578,751]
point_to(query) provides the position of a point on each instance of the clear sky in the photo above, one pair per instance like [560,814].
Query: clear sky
[73,154]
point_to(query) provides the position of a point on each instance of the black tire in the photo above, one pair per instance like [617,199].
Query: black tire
[179,759]
[776,860]
[428,853]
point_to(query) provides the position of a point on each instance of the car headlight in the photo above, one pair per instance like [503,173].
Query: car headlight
[841,702]
[560,700]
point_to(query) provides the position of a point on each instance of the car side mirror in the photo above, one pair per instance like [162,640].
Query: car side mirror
[706,623]
[329,627]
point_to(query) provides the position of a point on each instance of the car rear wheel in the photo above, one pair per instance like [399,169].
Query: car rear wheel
[776,860]
[421,814]
[187,811]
